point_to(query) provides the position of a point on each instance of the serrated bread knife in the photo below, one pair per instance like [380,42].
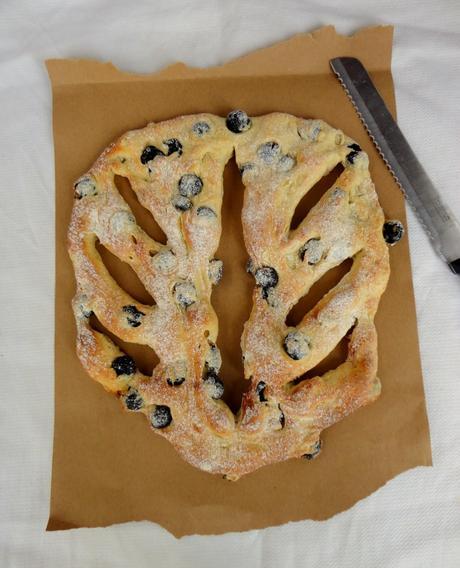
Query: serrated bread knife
[436,217]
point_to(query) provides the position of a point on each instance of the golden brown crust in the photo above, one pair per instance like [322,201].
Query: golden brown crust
[281,158]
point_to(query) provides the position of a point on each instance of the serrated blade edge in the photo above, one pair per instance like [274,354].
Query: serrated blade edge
[435,217]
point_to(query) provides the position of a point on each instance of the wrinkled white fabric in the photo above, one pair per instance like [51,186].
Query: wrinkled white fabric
[414,521]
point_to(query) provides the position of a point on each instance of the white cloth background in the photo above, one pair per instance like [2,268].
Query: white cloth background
[414,521]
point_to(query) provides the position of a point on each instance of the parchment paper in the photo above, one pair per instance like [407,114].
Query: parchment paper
[108,467]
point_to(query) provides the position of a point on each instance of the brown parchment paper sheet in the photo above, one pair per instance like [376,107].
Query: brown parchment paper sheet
[108,466]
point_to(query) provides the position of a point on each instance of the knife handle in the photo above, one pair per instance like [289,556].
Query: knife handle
[447,240]
[455,266]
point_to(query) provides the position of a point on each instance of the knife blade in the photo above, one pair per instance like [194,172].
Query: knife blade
[435,216]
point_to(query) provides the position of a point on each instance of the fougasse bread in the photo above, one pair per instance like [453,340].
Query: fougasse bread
[176,170]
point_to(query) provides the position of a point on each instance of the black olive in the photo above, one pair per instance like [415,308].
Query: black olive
[238,121]
[269,152]
[250,267]
[282,418]
[134,315]
[85,187]
[133,400]
[214,385]
[175,382]
[315,451]
[173,145]
[204,211]
[260,390]
[200,128]
[86,313]
[215,270]
[149,153]
[355,149]
[160,416]
[190,185]
[296,345]
[185,294]
[246,167]
[286,162]
[164,260]
[213,358]
[182,203]
[393,231]
[124,365]
[266,277]
[312,250]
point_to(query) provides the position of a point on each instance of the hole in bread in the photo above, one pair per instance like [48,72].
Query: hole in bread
[144,218]
[124,275]
[333,360]
[311,198]
[321,287]
[145,357]
[232,297]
